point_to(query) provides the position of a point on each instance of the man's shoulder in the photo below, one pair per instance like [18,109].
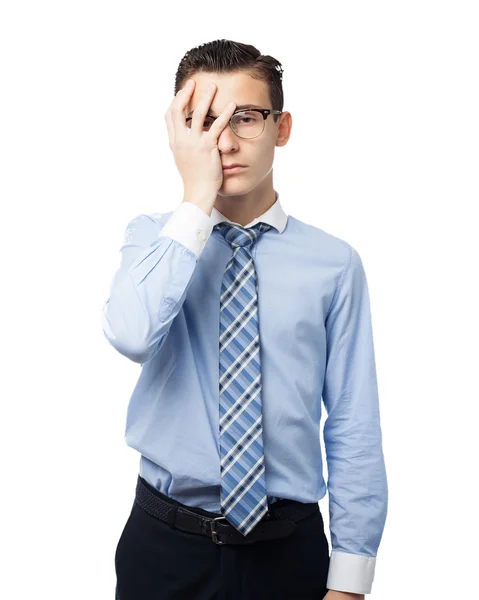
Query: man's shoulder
[318,239]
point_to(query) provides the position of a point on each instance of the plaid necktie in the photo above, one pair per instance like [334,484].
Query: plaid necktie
[243,490]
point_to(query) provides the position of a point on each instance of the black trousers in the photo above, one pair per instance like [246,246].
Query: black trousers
[156,562]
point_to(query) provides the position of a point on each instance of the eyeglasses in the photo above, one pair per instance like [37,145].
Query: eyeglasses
[246,124]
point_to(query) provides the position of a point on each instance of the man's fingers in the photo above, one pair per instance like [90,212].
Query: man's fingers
[222,121]
[178,107]
[203,109]
[175,116]
[171,129]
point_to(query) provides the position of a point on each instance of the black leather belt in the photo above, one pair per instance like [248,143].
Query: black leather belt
[279,522]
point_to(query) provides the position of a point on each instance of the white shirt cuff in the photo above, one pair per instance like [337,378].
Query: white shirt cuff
[189,225]
[351,572]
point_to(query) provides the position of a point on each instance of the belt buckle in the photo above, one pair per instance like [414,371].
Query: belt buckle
[213,530]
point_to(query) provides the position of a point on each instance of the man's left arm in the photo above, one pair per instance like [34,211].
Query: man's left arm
[357,483]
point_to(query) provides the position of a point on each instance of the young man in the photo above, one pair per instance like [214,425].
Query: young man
[243,318]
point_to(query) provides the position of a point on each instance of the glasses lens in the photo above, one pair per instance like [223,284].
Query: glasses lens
[248,123]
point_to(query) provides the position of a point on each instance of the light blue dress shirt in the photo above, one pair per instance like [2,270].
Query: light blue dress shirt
[316,342]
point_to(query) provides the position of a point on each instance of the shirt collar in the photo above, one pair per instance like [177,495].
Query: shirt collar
[274,216]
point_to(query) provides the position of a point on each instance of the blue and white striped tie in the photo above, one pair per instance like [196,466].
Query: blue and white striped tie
[244,501]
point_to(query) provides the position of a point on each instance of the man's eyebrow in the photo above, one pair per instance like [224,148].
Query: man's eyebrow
[239,107]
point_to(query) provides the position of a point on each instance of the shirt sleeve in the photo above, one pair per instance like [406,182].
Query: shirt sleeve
[357,482]
[149,288]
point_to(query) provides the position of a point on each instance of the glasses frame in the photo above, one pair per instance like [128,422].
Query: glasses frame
[263,111]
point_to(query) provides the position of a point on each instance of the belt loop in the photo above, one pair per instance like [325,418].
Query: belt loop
[172,515]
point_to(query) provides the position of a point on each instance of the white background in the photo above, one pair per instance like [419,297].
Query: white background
[383,153]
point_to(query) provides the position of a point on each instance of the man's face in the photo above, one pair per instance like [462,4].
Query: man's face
[256,153]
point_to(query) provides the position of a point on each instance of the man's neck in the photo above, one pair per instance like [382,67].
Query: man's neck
[246,208]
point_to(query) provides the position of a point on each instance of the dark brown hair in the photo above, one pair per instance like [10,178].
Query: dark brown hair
[226,56]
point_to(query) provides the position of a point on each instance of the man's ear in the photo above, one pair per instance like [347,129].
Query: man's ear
[285,125]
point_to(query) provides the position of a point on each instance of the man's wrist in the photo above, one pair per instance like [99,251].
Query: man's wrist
[338,595]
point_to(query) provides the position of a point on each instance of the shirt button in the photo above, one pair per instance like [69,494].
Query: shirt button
[201,234]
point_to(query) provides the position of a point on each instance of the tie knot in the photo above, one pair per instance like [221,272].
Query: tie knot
[237,235]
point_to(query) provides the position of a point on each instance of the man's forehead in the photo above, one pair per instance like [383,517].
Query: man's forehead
[244,90]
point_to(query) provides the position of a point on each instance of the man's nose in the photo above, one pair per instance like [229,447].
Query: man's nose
[227,139]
